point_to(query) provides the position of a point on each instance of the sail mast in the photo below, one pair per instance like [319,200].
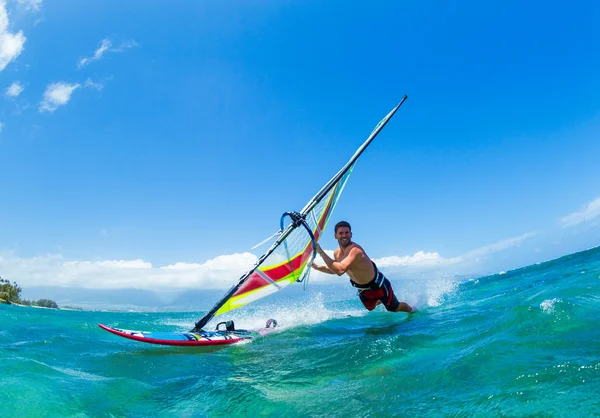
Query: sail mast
[310,205]
[325,189]
[209,315]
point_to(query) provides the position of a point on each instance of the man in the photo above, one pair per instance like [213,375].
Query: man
[373,287]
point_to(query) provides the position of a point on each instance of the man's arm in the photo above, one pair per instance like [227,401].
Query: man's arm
[339,267]
[323,269]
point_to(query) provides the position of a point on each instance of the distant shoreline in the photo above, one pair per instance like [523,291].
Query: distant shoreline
[31,306]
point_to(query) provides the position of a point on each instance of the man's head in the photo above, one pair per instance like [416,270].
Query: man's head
[343,233]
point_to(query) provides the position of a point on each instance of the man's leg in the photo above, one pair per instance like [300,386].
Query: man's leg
[369,301]
[404,307]
[391,302]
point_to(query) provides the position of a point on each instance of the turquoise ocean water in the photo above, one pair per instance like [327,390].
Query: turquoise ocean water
[523,343]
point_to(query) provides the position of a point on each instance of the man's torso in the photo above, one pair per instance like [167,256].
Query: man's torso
[361,271]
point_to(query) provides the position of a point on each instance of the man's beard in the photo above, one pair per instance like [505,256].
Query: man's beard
[345,245]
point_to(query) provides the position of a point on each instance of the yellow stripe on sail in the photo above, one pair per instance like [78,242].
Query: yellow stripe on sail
[255,294]
[321,215]
[238,301]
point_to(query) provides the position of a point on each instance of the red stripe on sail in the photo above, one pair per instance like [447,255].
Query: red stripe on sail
[255,281]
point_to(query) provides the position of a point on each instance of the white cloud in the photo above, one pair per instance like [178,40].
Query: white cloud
[218,273]
[105,46]
[125,45]
[90,265]
[14,89]
[419,259]
[91,84]
[11,44]
[34,5]
[52,270]
[423,259]
[57,94]
[498,246]
[586,213]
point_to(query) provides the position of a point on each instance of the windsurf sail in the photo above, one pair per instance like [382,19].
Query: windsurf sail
[289,258]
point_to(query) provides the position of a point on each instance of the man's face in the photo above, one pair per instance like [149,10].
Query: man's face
[343,236]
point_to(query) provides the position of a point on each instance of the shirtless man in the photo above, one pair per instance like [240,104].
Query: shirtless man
[373,287]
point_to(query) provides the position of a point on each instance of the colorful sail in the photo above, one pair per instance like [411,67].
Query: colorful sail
[289,257]
[290,260]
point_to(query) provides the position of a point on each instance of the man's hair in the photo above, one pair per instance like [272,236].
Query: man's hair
[342,224]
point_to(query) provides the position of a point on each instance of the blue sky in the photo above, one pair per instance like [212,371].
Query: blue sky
[151,144]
